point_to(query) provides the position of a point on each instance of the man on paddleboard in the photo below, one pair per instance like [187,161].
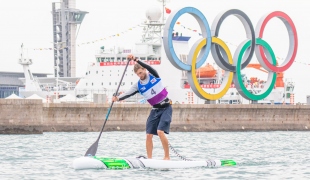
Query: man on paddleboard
[150,86]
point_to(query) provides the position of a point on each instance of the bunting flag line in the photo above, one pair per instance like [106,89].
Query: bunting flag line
[111,36]
[91,42]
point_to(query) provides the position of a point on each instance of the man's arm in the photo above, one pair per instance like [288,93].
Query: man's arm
[132,91]
[149,68]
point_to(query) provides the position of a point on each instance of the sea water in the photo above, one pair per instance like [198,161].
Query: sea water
[259,155]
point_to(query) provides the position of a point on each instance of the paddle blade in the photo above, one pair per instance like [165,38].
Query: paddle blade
[92,149]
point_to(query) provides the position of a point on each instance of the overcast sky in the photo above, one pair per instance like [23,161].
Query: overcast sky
[30,22]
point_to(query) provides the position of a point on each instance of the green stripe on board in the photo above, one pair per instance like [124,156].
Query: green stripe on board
[113,163]
[228,163]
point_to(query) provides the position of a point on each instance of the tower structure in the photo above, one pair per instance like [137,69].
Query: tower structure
[65,20]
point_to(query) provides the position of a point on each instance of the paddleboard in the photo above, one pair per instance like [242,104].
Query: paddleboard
[99,162]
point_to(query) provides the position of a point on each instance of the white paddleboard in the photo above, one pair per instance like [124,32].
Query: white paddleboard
[99,162]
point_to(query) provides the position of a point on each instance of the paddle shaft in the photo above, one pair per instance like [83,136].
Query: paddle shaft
[93,148]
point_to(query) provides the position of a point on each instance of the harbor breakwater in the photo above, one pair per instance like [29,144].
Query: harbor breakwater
[32,116]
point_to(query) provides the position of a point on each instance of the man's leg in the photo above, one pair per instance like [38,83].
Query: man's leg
[164,128]
[164,142]
[151,129]
[149,145]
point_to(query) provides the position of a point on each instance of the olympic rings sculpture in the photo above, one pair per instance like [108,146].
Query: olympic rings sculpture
[222,55]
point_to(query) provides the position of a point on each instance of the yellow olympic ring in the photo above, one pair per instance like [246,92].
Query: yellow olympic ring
[223,89]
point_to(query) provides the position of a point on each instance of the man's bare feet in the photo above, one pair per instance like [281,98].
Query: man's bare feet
[166,158]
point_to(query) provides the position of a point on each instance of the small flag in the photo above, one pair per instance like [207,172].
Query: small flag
[168,11]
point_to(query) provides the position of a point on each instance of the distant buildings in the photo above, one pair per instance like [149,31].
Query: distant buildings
[10,82]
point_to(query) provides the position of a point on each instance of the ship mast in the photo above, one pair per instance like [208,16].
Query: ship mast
[163,13]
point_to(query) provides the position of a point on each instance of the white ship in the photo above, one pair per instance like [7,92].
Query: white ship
[104,73]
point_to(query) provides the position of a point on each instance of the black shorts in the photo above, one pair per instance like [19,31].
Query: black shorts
[159,119]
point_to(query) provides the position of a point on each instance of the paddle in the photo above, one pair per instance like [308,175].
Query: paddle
[93,148]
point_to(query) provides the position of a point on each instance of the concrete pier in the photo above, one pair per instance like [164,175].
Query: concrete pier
[31,116]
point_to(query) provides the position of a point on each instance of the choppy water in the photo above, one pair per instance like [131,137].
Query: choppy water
[260,155]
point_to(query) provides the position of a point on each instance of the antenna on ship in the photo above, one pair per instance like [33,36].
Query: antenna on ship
[164,4]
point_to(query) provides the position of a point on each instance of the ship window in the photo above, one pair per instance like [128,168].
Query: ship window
[131,83]
[88,72]
[118,59]
[232,93]
[86,84]
[97,72]
[112,59]
[115,83]
[149,58]
[110,83]
[92,84]
[123,59]
[142,58]
[102,59]
[98,59]
[107,59]
[123,83]
[117,74]
[102,84]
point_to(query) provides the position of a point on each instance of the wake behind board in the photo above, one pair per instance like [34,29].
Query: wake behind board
[99,162]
